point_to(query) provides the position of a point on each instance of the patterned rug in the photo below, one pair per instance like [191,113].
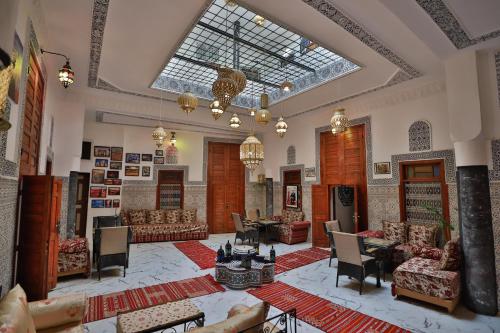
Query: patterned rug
[108,305]
[321,313]
[299,258]
[200,254]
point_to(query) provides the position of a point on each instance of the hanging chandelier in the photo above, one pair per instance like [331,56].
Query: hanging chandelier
[224,88]
[188,102]
[216,109]
[339,121]
[263,116]
[235,122]
[159,135]
[281,127]
[251,152]
[6,68]
[240,79]
[286,86]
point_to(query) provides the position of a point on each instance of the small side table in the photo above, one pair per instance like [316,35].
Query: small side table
[236,277]
[160,317]
[267,224]
[381,249]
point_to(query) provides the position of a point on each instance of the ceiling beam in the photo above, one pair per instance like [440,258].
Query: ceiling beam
[255,46]
[214,67]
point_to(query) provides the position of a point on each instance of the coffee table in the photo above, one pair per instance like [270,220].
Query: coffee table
[267,224]
[236,277]
[160,317]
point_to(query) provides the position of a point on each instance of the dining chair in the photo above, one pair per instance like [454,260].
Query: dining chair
[112,246]
[328,227]
[244,232]
[252,215]
[350,260]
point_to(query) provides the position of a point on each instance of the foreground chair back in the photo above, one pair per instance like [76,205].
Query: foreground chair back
[253,214]
[112,246]
[244,232]
[350,260]
[329,227]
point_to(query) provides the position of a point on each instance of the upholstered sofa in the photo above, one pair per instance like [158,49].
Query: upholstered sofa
[73,257]
[57,314]
[293,229]
[164,225]
[432,277]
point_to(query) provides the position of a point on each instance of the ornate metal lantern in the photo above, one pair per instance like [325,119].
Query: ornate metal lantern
[6,68]
[251,152]
[240,79]
[281,127]
[216,109]
[235,122]
[339,121]
[287,86]
[263,116]
[188,102]
[66,75]
[159,135]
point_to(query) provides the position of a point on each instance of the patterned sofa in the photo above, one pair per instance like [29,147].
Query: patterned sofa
[432,277]
[164,225]
[294,229]
[74,257]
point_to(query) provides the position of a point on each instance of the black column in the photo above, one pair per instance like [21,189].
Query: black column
[478,264]
[269,197]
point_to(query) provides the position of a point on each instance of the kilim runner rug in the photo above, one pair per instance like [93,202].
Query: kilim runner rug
[204,256]
[321,313]
[200,254]
[108,305]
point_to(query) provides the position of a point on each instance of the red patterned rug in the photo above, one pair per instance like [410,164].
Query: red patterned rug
[299,258]
[108,305]
[321,313]
[200,254]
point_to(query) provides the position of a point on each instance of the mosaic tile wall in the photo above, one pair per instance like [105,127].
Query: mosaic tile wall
[139,196]
[63,218]
[196,196]
[70,220]
[383,204]
[8,197]
[495,212]
[255,197]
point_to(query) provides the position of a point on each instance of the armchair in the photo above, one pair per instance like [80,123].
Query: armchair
[329,227]
[350,260]
[293,228]
[244,232]
[107,221]
[112,246]
[73,257]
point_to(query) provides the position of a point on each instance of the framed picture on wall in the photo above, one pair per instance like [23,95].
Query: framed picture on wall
[97,192]
[101,151]
[108,203]
[114,190]
[159,160]
[99,203]
[158,152]
[116,203]
[146,171]
[131,171]
[292,196]
[117,154]
[116,181]
[101,162]
[147,157]
[382,168]
[111,174]
[133,158]
[115,165]
[97,176]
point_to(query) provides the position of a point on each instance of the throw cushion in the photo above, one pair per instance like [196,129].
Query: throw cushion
[173,216]
[394,231]
[242,320]
[188,216]
[450,260]
[58,311]
[155,217]
[292,216]
[124,217]
[422,234]
[14,312]
[137,217]
[73,245]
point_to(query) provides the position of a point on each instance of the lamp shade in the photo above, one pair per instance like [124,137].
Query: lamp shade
[159,135]
[251,152]
[263,116]
[188,102]
[339,121]
[234,122]
[281,127]
[66,75]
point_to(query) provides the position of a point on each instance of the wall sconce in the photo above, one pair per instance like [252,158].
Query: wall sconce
[66,74]
[173,140]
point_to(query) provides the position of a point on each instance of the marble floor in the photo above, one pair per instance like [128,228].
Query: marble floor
[154,263]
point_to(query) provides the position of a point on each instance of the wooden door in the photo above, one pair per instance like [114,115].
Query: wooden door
[82,194]
[54,224]
[355,217]
[320,214]
[32,124]
[34,234]
[225,186]
[170,189]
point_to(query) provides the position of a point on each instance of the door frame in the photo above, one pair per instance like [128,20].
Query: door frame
[84,208]
[441,179]
[161,182]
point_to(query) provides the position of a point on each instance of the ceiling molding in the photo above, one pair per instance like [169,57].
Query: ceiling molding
[99,14]
[449,24]
[326,8]
[497,65]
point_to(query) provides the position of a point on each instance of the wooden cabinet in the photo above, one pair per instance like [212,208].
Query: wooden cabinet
[38,240]
[225,186]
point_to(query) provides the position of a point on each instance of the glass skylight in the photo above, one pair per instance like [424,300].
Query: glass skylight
[268,55]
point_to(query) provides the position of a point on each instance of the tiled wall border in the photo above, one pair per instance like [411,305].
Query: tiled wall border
[450,26]
[494,174]
[497,65]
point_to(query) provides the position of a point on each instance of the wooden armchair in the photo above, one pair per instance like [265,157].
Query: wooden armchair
[329,227]
[350,260]
[112,246]
[244,232]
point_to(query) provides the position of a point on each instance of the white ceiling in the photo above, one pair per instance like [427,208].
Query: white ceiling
[478,17]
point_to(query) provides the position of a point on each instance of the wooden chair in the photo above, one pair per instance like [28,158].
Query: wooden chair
[350,260]
[330,226]
[244,232]
[112,245]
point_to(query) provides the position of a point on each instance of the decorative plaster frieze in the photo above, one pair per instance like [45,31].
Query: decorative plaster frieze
[494,174]
[99,15]
[450,26]
[497,65]
[420,136]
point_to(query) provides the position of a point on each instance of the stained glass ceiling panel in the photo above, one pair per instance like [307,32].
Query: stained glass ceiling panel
[268,54]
